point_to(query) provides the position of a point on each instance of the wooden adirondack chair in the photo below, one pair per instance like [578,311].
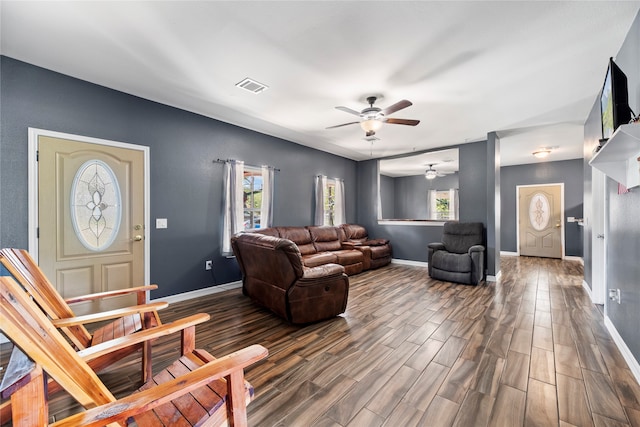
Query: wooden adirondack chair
[195,390]
[127,320]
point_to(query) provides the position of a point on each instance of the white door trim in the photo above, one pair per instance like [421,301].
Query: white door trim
[518,187]
[599,226]
[34,134]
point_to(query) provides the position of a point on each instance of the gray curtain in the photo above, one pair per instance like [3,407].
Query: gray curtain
[320,184]
[339,207]
[233,218]
[266,210]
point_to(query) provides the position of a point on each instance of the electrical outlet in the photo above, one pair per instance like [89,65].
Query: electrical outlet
[614,295]
[208,265]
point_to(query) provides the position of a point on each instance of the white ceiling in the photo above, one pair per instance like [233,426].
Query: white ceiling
[529,70]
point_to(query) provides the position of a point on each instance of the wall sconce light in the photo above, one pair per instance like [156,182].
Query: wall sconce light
[542,153]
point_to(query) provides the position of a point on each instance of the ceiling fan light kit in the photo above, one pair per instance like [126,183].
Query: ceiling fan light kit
[371,125]
[373,117]
[430,174]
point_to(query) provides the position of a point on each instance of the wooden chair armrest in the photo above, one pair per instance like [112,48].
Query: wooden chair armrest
[108,294]
[110,346]
[106,315]
[137,403]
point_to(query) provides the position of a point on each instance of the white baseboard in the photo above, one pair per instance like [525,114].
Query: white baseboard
[491,278]
[622,346]
[507,253]
[409,262]
[199,292]
[587,289]
[574,258]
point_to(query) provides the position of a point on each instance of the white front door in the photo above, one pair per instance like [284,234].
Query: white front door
[540,221]
[91,217]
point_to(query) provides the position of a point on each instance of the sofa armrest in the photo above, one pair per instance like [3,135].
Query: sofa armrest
[437,246]
[321,272]
[376,242]
[476,248]
[431,249]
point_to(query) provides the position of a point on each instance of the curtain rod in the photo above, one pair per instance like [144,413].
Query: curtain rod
[253,166]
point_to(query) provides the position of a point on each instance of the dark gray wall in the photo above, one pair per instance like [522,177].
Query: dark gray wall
[410,241]
[388,197]
[186,184]
[411,194]
[568,172]
[623,237]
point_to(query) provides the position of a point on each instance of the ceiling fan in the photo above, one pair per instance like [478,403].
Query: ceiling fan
[374,117]
[431,173]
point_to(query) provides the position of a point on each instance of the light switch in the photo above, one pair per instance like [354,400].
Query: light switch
[161,222]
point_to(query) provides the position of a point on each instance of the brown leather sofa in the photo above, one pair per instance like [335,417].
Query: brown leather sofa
[347,245]
[274,276]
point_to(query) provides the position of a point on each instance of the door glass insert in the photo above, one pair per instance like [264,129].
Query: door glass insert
[539,211]
[96,205]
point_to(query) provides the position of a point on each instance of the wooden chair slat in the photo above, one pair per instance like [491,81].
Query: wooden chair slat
[193,361]
[188,406]
[30,402]
[205,396]
[129,324]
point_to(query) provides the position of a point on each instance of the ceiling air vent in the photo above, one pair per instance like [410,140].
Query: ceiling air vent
[252,85]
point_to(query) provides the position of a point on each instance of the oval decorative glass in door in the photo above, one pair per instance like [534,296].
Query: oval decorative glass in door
[96,205]
[539,211]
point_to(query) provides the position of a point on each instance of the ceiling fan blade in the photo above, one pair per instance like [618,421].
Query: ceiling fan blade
[396,107]
[344,124]
[348,110]
[408,122]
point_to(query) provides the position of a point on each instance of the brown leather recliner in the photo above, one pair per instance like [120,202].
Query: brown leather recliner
[377,252]
[273,275]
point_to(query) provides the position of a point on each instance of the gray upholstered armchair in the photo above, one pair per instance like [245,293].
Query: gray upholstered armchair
[460,256]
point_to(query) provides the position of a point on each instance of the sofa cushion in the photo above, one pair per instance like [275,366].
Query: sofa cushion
[325,238]
[349,256]
[319,258]
[459,263]
[300,236]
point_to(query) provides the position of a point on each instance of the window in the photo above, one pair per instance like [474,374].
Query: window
[330,202]
[248,199]
[443,204]
[329,199]
[252,198]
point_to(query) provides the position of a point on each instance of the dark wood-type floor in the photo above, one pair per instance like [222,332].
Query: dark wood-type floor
[410,351]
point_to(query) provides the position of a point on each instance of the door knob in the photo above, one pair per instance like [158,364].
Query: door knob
[137,238]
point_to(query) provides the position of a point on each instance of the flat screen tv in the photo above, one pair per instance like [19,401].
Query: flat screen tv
[614,100]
